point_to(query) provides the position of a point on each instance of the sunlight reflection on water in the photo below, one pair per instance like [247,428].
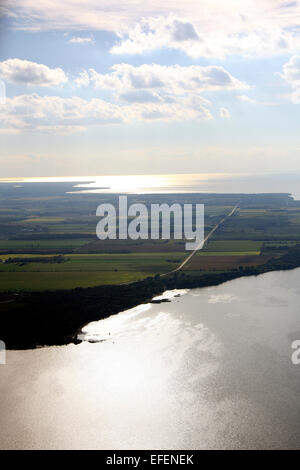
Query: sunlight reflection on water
[179,183]
[191,373]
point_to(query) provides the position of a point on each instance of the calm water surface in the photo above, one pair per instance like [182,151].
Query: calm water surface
[181,183]
[210,369]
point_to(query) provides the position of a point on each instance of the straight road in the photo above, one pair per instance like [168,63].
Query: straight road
[201,245]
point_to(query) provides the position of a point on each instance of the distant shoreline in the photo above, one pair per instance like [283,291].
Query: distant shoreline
[177,183]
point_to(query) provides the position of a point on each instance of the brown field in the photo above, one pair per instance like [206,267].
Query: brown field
[224,262]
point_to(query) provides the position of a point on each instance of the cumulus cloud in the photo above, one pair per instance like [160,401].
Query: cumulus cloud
[24,72]
[163,92]
[53,113]
[291,75]
[291,71]
[190,37]
[82,40]
[173,79]
[143,93]
[35,113]
[224,113]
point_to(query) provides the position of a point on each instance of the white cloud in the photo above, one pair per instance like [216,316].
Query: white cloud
[291,71]
[291,74]
[213,28]
[224,113]
[24,72]
[190,37]
[144,93]
[175,80]
[52,113]
[28,113]
[162,92]
[82,40]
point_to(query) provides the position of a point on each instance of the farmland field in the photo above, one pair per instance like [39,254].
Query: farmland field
[36,281]
[13,246]
[242,246]
[83,270]
[224,262]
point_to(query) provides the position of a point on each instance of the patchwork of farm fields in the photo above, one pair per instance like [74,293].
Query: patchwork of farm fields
[227,254]
[46,221]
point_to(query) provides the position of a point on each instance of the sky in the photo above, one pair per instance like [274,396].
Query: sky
[100,87]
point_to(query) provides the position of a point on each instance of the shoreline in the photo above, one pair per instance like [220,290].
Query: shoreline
[65,313]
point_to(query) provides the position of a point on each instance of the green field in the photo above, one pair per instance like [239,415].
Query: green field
[230,246]
[85,270]
[14,246]
[36,281]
